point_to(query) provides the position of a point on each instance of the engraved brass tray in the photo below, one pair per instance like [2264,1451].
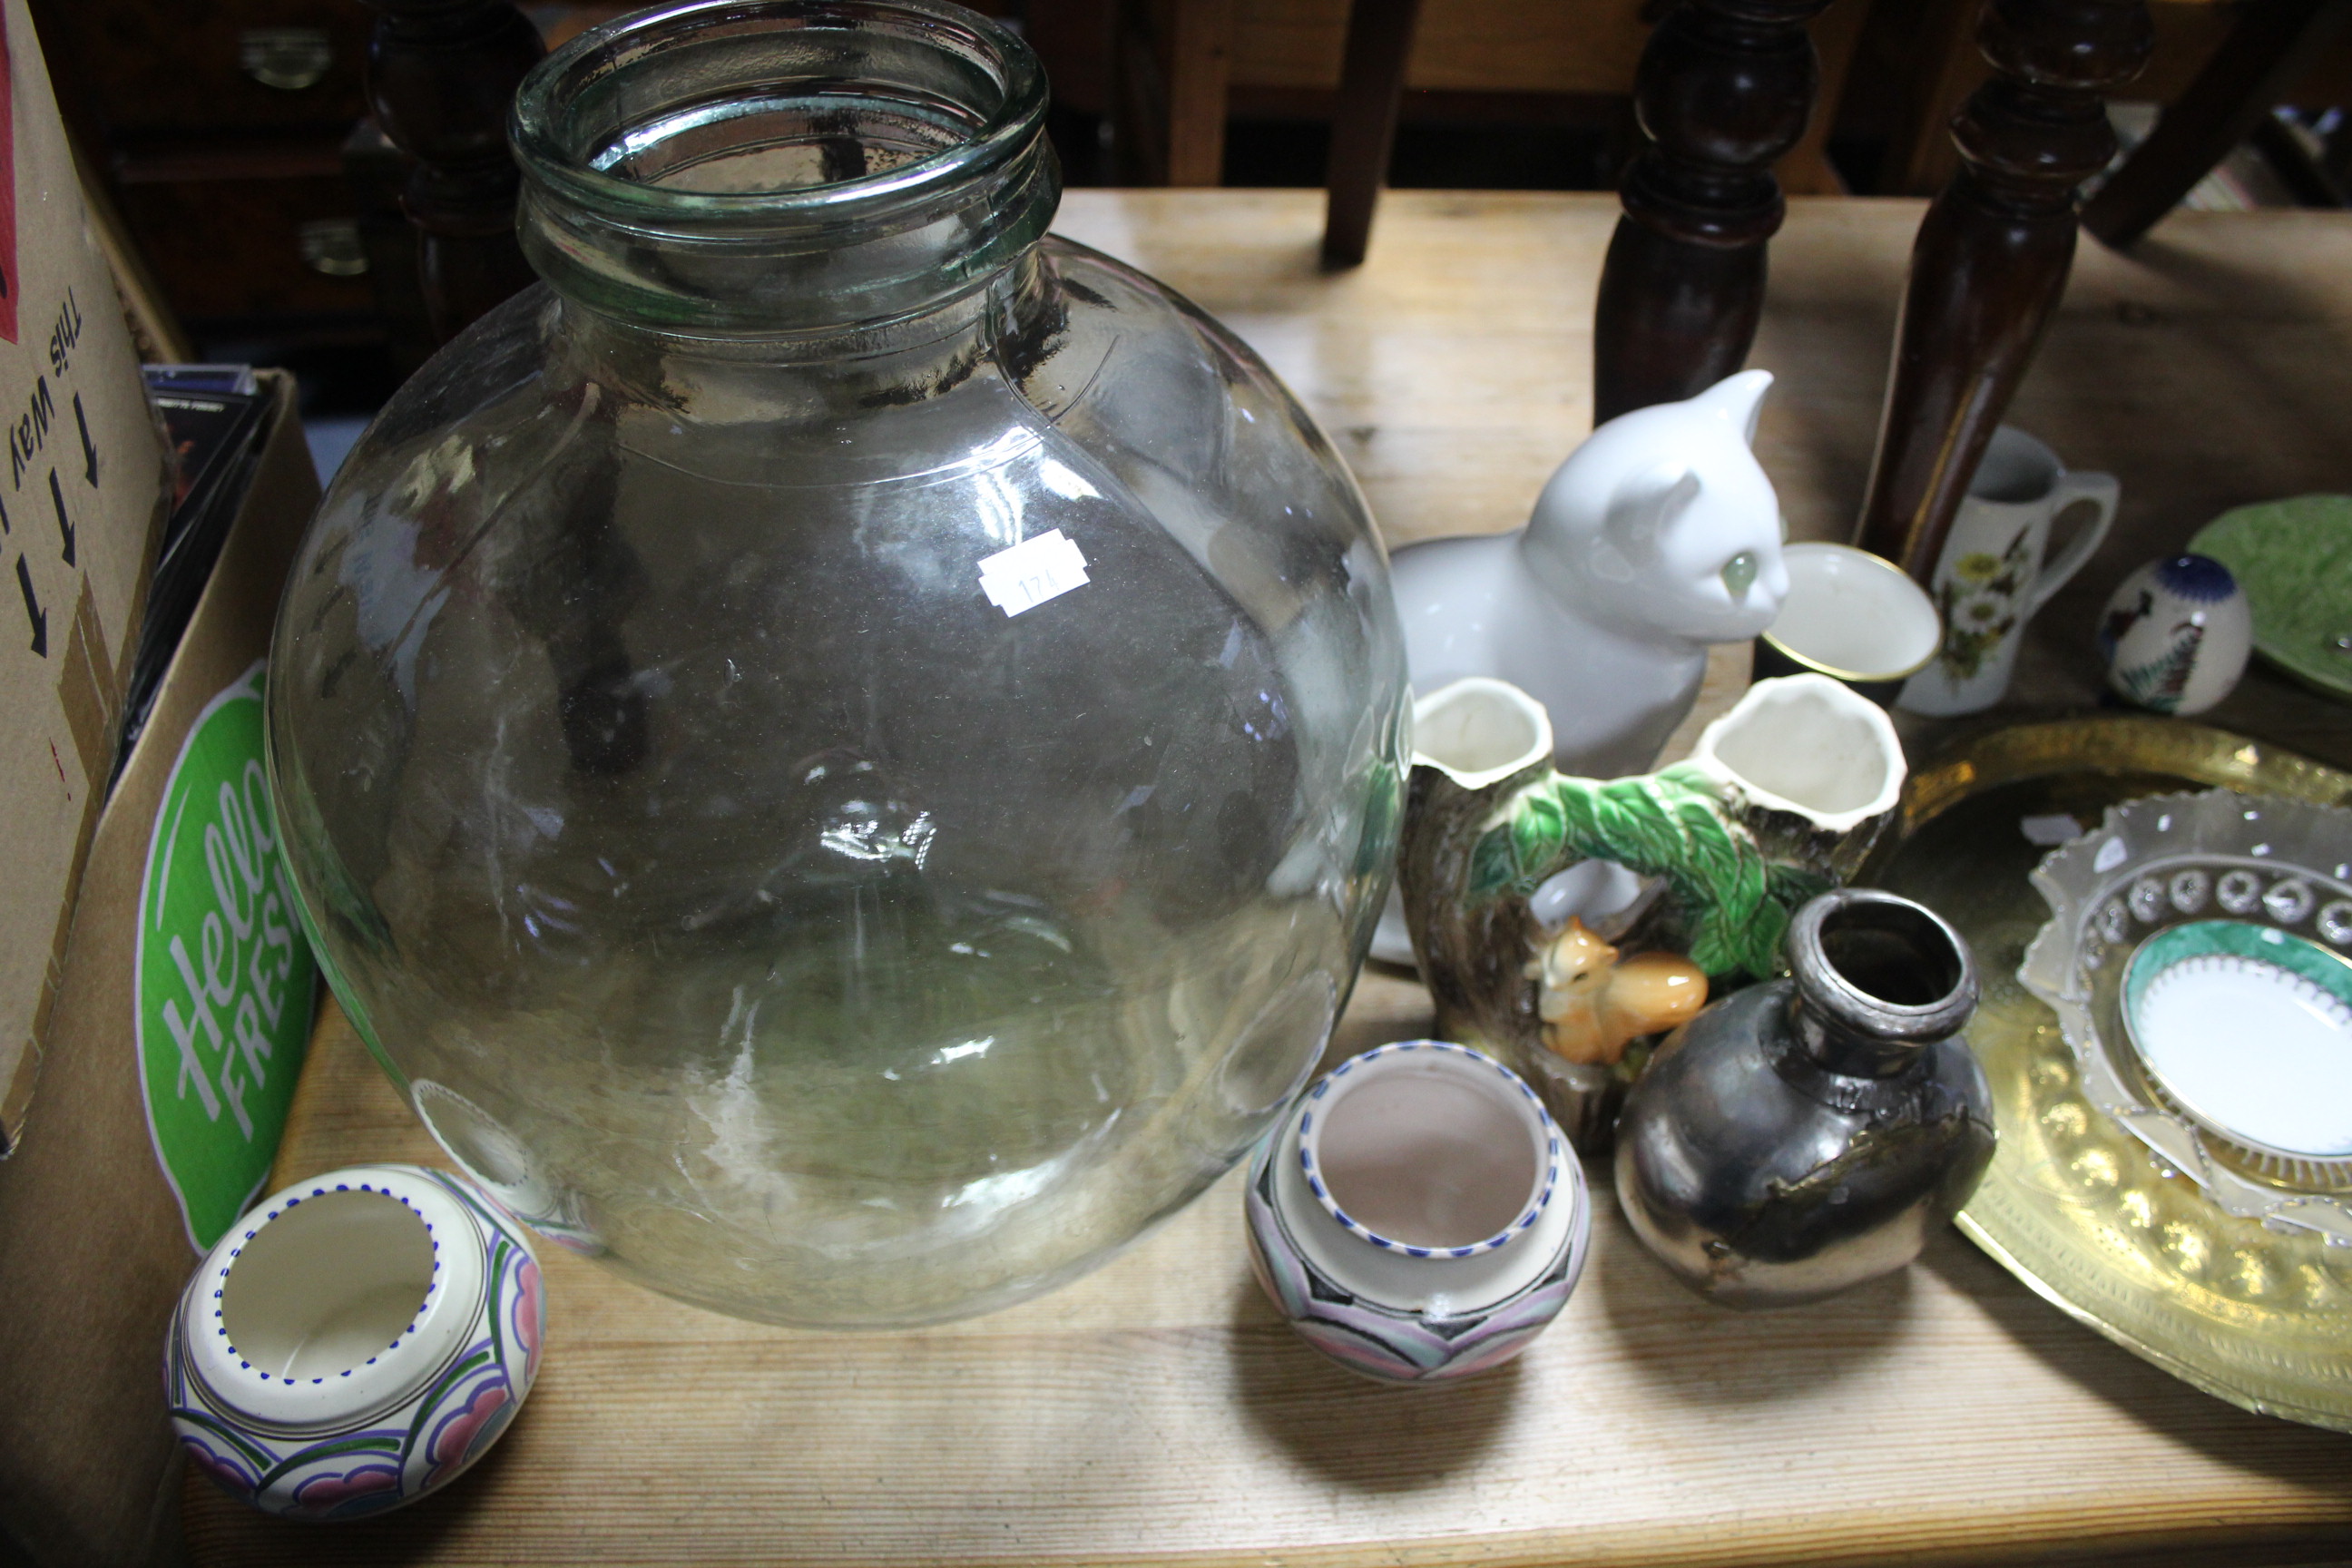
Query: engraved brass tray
[2074,1205]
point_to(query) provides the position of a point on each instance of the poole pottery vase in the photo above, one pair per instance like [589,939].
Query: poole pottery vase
[1418,1218]
[1658,536]
[1990,579]
[1806,1135]
[354,1343]
[1542,905]
[2176,635]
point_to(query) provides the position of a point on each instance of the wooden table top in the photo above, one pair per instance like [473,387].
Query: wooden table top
[1158,1410]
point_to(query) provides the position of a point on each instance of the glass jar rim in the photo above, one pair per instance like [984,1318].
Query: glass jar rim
[537,123]
[619,135]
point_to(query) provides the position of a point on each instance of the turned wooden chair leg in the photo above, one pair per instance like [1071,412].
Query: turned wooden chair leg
[1992,256]
[1363,127]
[441,76]
[1805,169]
[1724,90]
[2273,45]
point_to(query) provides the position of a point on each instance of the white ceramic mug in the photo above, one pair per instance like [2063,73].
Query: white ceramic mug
[1991,577]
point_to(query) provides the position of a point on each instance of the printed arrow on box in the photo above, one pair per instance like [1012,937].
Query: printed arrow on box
[88,450]
[65,523]
[33,611]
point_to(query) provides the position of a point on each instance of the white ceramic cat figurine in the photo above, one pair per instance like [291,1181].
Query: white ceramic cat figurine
[1659,535]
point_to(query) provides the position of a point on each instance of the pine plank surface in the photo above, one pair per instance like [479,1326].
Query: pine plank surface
[1158,1411]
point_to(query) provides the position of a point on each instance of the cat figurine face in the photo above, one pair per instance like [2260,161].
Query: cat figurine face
[1665,520]
[1658,536]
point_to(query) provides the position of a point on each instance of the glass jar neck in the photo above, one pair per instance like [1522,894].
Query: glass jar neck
[707,377]
[784,168]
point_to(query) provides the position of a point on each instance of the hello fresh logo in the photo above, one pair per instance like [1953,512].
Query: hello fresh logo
[225,980]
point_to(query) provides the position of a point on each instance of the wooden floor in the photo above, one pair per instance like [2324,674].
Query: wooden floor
[1158,1410]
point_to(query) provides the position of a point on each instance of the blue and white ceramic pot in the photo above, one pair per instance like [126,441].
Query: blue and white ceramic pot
[2176,635]
[1418,1216]
[354,1343]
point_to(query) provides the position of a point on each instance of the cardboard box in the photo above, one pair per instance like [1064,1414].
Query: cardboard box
[83,487]
[171,1055]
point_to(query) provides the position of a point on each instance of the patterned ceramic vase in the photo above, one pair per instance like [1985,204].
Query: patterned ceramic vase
[354,1343]
[2176,635]
[1418,1215]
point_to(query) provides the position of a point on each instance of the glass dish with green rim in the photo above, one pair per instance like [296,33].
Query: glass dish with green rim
[2246,1029]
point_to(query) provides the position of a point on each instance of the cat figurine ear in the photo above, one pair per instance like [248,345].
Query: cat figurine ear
[1643,506]
[1740,399]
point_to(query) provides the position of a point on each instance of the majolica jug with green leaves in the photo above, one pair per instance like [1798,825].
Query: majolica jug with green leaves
[1562,922]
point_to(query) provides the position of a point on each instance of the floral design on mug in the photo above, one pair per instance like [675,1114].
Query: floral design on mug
[1978,605]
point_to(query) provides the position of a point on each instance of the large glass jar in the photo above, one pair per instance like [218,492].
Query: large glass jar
[841,751]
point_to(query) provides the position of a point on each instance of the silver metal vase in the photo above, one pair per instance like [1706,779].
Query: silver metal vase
[1805,1135]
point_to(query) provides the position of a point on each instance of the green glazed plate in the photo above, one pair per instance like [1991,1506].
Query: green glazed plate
[2293,558]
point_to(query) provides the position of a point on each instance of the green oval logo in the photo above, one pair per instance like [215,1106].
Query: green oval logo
[226,982]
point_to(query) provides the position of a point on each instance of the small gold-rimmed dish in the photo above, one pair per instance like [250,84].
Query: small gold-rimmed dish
[1852,615]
